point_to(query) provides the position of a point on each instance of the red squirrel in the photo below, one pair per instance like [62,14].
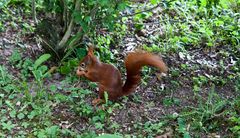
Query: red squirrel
[108,77]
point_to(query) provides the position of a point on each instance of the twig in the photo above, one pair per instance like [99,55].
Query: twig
[147,10]
[158,22]
[49,46]
[94,11]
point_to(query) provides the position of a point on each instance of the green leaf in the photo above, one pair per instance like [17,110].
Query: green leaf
[100,126]
[219,23]
[186,135]
[81,52]
[154,1]
[9,126]
[12,114]
[110,110]
[9,104]
[15,57]
[41,59]
[87,19]
[1,95]
[182,128]
[53,88]
[41,134]
[85,26]
[52,131]
[203,3]
[224,3]
[20,116]
[167,101]
[235,33]
[65,69]
[4,3]
[106,97]
[78,17]
[122,6]
[103,2]
[109,136]
[25,124]
[32,115]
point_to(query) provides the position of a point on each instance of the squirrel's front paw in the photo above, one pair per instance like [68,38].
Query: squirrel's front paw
[79,72]
[97,101]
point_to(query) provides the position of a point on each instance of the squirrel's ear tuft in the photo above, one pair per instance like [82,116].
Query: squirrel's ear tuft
[90,49]
[87,59]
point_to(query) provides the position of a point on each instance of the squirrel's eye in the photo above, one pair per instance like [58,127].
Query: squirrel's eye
[83,65]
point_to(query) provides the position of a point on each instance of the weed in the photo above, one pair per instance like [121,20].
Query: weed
[211,110]
[15,57]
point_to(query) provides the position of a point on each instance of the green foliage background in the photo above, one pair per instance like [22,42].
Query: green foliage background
[30,108]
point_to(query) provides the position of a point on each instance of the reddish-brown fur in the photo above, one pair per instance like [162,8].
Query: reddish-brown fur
[108,77]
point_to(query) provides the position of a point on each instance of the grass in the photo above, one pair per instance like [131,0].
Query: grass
[199,98]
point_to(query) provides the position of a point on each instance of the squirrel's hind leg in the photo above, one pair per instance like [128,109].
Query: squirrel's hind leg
[100,96]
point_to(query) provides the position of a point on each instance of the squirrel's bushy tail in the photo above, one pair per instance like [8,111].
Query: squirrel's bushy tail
[134,62]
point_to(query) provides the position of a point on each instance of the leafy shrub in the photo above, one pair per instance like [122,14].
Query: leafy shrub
[73,20]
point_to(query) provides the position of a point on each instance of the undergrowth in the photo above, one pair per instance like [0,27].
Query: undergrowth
[200,43]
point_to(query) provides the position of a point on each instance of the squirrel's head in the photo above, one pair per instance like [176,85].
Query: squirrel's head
[87,60]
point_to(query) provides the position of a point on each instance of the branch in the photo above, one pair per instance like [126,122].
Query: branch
[75,41]
[147,10]
[34,11]
[64,16]
[69,29]
[66,35]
